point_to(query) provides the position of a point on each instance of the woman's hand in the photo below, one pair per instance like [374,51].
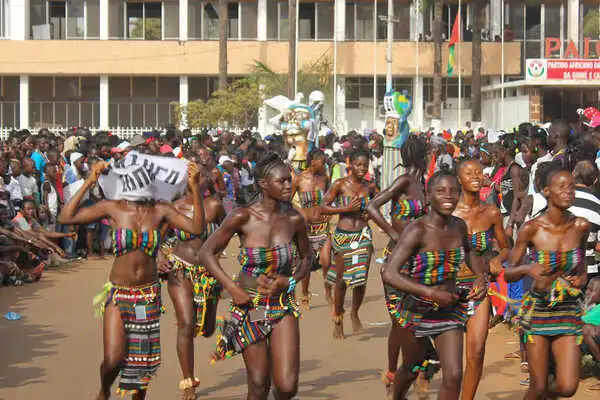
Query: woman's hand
[193,177]
[162,264]
[73,235]
[272,284]
[98,169]
[480,288]
[577,281]
[240,297]
[538,271]
[443,298]
[496,266]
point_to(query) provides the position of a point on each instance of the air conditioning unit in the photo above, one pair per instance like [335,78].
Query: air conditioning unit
[380,110]
[428,110]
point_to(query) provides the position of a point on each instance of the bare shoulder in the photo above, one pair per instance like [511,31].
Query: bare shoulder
[492,212]
[459,223]
[581,224]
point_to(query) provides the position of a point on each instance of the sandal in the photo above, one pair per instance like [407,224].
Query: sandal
[525,367]
[515,355]
[388,380]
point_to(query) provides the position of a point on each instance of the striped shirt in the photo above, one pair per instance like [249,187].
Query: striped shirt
[587,205]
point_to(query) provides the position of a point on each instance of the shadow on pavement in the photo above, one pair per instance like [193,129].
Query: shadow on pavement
[22,340]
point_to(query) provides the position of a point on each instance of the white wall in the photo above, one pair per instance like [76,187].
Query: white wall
[516,111]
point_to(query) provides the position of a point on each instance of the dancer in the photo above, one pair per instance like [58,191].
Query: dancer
[311,185]
[193,291]
[550,314]
[351,241]
[130,302]
[275,254]
[484,223]
[407,195]
[423,266]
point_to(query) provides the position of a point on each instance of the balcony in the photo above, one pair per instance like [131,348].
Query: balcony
[169,58]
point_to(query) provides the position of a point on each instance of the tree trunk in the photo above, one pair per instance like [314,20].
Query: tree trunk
[223,18]
[292,49]
[477,9]
[437,63]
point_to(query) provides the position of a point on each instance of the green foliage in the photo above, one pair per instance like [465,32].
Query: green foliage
[151,30]
[236,106]
[317,75]
[591,24]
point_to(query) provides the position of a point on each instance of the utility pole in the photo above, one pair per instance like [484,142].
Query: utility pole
[292,18]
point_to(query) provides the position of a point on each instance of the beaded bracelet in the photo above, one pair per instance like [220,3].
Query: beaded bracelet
[291,284]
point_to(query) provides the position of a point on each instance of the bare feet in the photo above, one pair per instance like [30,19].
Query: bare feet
[189,394]
[305,303]
[338,327]
[356,324]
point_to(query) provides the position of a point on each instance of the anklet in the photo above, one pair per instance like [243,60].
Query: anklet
[189,383]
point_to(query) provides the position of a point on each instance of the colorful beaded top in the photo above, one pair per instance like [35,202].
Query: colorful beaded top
[184,236]
[127,240]
[310,199]
[567,261]
[256,261]
[435,267]
[407,210]
[345,201]
[482,242]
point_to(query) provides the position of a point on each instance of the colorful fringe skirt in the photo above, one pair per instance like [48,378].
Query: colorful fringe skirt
[538,316]
[391,294]
[318,233]
[140,309]
[206,288]
[424,318]
[356,248]
[251,324]
[468,283]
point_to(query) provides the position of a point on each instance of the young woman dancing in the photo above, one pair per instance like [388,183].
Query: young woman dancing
[407,195]
[351,241]
[423,266]
[130,300]
[311,185]
[193,291]
[275,255]
[550,313]
[484,224]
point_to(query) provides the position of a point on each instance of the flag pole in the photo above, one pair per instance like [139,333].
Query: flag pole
[460,28]
[502,70]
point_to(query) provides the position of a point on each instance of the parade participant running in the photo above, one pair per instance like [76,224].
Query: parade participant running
[311,185]
[131,300]
[484,222]
[550,314]
[351,241]
[423,266]
[275,254]
[407,195]
[193,291]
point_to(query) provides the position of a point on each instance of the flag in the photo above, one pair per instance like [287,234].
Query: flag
[454,38]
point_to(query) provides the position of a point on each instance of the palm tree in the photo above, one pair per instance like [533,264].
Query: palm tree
[437,63]
[477,10]
[223,17]
[292,49]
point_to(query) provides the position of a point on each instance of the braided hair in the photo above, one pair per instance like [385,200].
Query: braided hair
[413,153]
[268,164]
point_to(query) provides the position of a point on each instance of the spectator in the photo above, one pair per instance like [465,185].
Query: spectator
[29,186]
[509,35]
[14,186]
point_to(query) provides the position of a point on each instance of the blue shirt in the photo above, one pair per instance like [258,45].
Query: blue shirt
[40,162]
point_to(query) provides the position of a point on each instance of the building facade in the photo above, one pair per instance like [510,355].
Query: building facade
[123,63]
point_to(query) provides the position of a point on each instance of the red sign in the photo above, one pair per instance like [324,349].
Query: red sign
[541,69]
[554,46]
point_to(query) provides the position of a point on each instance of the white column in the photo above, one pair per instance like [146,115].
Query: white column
[184,98]
[261,23]
[572,27]
[24,102]
[183,25]
[340,106]
[496,27]
[104,102]
[340,17]
[104,24]
[417,98]
[19,28]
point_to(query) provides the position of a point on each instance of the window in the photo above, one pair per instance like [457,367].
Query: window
[250,20]
[533,20]
[364,21]
[210,26]
[360,90]
[306,21]
[325,16]
[449,89]
[144,21]
[590,24]
[233,19]
[350,10]
[171,19]
[552,21]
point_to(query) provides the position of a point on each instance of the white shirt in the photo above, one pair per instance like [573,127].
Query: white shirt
[14,189]
[543,159]
[246,179]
